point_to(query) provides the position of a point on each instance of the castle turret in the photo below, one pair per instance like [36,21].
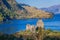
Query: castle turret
[40,24]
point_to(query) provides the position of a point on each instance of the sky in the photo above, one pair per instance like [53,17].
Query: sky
[40,3]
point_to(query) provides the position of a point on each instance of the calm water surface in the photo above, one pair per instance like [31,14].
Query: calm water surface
[18,25]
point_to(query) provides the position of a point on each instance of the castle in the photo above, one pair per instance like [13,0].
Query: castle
[32,28]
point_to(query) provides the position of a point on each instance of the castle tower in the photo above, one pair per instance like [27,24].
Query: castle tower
[40,24]
[40,28]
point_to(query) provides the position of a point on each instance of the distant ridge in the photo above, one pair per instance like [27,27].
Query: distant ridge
[54,9]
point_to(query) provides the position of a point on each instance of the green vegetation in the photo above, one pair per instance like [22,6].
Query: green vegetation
[1,17]
[41,34]
[9,9]
[6,14]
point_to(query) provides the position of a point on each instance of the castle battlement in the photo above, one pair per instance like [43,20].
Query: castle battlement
[40,24]
[32,28]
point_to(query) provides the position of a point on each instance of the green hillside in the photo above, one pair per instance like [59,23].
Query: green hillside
[10,9]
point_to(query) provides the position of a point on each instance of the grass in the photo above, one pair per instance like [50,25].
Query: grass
[48,35]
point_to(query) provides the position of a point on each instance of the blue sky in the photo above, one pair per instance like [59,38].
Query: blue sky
[40,3]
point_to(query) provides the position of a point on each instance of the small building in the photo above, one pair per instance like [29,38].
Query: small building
[33,28]
[30,27]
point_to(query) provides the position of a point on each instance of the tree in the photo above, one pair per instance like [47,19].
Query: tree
[1,17]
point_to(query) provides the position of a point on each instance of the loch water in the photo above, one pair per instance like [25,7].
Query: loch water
[13,26]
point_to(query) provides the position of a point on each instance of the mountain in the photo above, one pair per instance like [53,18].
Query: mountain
[10,9]
[36,13]
[54,9]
